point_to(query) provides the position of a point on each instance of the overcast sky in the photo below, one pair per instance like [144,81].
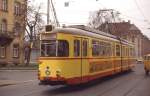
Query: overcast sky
[78,11]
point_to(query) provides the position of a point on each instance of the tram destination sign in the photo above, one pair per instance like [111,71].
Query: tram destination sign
[47,36]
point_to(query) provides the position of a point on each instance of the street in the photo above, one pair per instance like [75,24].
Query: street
[134,83]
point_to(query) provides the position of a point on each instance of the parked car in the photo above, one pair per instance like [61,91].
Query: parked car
[140,61]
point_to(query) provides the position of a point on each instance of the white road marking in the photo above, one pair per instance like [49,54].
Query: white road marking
[26,81]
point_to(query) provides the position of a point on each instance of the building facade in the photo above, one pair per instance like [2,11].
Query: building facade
[145,45]
[127,31]
[12,30]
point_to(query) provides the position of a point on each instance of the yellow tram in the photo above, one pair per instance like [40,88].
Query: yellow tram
[74,56]
[147,64]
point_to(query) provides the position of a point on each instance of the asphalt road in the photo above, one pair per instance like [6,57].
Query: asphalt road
[134,83]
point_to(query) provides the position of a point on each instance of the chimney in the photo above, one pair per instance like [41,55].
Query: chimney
[129,21]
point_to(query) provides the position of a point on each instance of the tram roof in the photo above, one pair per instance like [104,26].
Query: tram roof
[95,34]
[147,55]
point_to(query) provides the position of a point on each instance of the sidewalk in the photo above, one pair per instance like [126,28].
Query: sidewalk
[13,82]
[20,67]
[7,82]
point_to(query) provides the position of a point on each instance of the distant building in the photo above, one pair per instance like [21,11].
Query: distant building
[127,31]
[145,45]
[12,30]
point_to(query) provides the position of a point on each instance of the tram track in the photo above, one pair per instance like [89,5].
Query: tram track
[122,82]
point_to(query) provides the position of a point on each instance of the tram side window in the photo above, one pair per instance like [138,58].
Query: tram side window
[84,48]
[63,48]
[117,50]
[123,50]
[131,52]
[95,48]
[108,51]
[102,49]
[148,57]
[76,48]
[127,52]
[145,58]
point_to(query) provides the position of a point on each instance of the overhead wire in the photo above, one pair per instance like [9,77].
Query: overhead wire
[134,18]
[140,10]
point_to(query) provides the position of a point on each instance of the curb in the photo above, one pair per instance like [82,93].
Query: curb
[2,85]
[23,70]
[18,68]
[6,83]
[14,82]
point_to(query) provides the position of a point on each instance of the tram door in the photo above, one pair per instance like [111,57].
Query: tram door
[84,57]
[81,51]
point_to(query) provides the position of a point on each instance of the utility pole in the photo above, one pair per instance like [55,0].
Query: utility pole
[48,10]
[50,7]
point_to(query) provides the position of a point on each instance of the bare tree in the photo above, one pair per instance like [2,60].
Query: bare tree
[103,16]
[34,22]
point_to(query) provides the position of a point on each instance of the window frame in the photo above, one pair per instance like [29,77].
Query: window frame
[2,52]
[3,26]
[66,42]
[95,48]
[76,48]
[17,28]
[118,51]
[46,45]
[85,48]
[15,51]
[4,5]
[17,8]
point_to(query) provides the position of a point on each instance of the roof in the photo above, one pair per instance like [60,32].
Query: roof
[76,31]
[134,28]
[120,28]
[94,34]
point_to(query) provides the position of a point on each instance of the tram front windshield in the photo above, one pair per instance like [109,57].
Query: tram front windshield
[54,48]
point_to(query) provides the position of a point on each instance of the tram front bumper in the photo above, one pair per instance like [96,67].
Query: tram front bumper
[52,81]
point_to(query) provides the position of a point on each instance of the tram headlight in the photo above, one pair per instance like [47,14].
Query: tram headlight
[47,71]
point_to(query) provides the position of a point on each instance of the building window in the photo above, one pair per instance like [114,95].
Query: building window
[3,26]
[17,8]
[4,5]
[2,52]
[16,51]
[17,28]
[76,48]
